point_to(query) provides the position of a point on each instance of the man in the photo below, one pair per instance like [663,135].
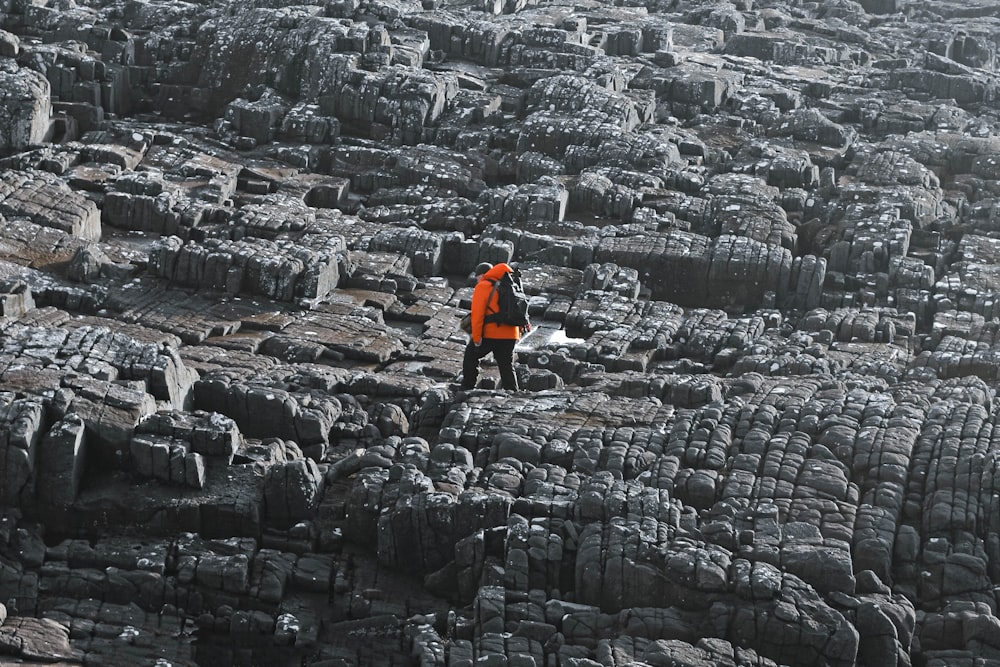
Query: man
[487,337]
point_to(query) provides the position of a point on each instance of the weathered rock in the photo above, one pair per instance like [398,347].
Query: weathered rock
[111,411]
[100,353]
[37,639]
[9,44]
[15,298]
[48,201]
[258,119]
[62,461]
[25,104]
[86,264]
[23,429]
[166,459]
[262,411]
[292,490]
[90,264]
[761,415]
[210,434]
[284,272]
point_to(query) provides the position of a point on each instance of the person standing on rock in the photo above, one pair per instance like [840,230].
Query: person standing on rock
[488,336]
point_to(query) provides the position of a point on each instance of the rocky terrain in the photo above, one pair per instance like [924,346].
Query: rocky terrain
[758,423]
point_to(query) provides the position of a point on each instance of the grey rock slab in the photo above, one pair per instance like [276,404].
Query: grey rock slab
[21,421]
[965,88]
[87,264]
[26,104]
[827,569]
[210,434]
[424,249]
[9,44]
[49,202]
[119,553]
[36,243]
[62,462]
[229,504]
[765,332]
[16,299]
[275,218]
[282,271]
[110,411]
[166,459]
[783,47]
[263,411]
[354,335]
[37,639]
[105,355]
[189,317]
[314,572]
[575,93]
[292,490]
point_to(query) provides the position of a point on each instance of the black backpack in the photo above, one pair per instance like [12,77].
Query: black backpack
[512,302]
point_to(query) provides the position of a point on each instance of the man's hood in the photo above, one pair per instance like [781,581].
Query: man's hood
[496,273]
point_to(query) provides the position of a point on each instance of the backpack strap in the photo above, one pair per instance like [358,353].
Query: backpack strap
[489,300]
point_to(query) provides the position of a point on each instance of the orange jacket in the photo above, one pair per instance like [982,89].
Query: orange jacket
[480,308]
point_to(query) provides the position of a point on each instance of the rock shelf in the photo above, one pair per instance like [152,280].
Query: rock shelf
[758,423]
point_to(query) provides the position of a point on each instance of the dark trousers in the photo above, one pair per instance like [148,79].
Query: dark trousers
[503,354]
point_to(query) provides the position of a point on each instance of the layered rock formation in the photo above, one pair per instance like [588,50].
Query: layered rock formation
[759,403]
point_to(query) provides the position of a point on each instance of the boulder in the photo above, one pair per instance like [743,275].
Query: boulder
[292,490]
[62,462]
[25,103]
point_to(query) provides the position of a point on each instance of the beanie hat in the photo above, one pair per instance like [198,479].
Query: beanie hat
[483,268]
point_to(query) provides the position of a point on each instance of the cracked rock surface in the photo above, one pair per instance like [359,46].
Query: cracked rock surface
[758,423]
